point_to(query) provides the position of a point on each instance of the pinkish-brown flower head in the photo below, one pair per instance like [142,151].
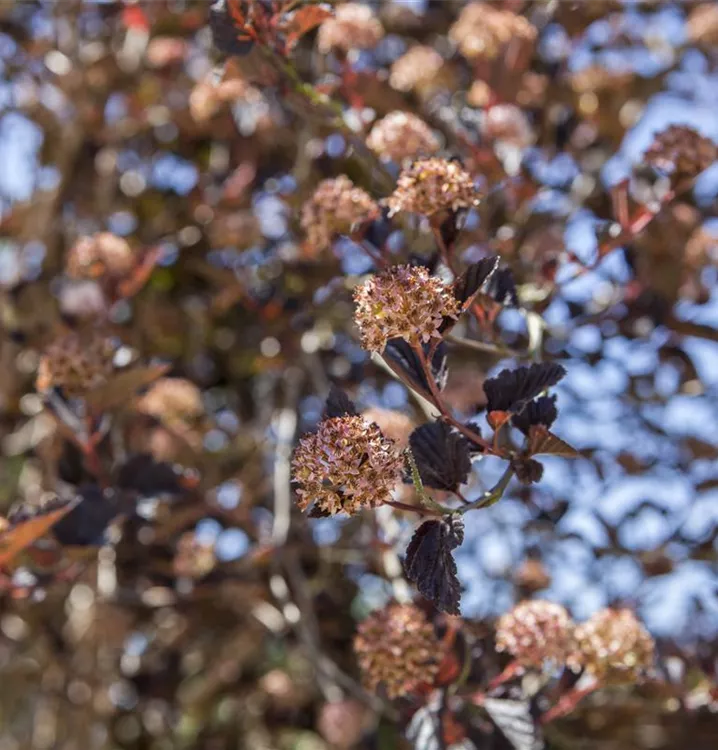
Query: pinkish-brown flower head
[102,254]
[172,400]
[613,646]
[682,152]
[76,363]
[346,465]
[397,647]
[418,69]
[353,26]
[483,31]
[534,632]
[509,124]
[405,302]
[336,207]
[430,186]
[400,136]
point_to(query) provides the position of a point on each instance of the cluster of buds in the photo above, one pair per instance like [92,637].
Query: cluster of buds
[400,136]
[76,363]
[346,465]
[483,32]
[613,646]
[397,647]
[353,26]
[405,302]
[682,152]
[418,70]
[336,207]
[507,123]
[432,186]
[535,632]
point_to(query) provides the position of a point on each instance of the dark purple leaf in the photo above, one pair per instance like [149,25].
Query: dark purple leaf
[541,411]
[511,390]
[451,228]
[147,477]
[442,455]
[527,469]
[430,564]
[502,288]
[541,441]
[227,34]
[338,404]
[475,279]
[399,355]
[85,525]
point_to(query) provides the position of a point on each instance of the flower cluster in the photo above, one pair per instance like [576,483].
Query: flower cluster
[613,646]
[76,363]
[354,26]
[430,186]
[682,152]
[346,465]
[400,136]
[482,31]
[336,206]
[418,69]
[404,302]
[534,632]
[397,647]
[172,400]
[102,254]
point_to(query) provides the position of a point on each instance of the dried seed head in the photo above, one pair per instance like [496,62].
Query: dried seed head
[346,465]
[76,363]
[400,136]
[353,26]
[613,646]
[682,152]
[172,400]
[393,424]
[536,631]
[396,646]
[430,186]
[482,32]
[102,254]
[416,69]
[404,302]
[335,208]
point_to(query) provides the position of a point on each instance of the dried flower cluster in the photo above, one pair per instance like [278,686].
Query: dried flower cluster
[613,646]
[102,254]
[682,152]
[397,647]
[535,632]
[76,363]
[483,31]
[417,69]
[336,206]
[346,465]
[430,186]
[507,123]
[400,136]
[405,302]
[354,26]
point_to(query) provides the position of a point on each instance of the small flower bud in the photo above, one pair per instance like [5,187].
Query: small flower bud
[347,464]
[335,208]
[536,631]
[353,26]
[430,186]
[400,136]
[613,646]
[396,646]
[404,302]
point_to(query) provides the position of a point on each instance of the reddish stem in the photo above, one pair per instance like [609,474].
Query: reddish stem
[568,702]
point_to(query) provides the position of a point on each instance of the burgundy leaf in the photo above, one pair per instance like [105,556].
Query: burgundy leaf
[476,278]
[85,525]
[541,441]
[502,288]
[430,565]
[442,455]
[527,469]
[402,358]
[339,404]
[511,390]
[541,411]
[147,477]
[226,21]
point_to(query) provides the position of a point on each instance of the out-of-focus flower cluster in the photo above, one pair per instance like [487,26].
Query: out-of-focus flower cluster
[353,26]
[400,136]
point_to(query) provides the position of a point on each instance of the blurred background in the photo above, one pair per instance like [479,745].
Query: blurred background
[224,618]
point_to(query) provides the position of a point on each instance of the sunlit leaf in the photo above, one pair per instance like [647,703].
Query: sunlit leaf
[541,441]
[303,21]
